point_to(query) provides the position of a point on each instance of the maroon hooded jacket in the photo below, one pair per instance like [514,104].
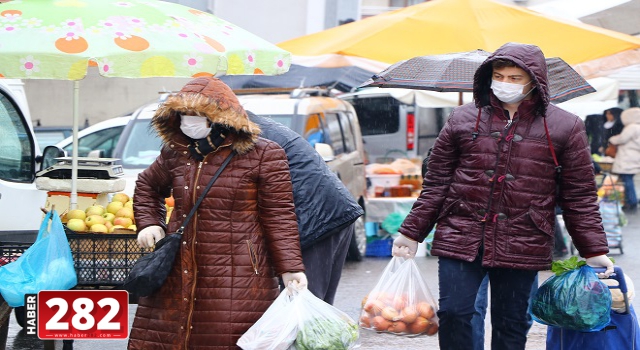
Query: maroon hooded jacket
[492,184]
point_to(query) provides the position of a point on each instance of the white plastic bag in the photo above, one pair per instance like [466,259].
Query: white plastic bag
[401,302]
[322,326]
[275,330]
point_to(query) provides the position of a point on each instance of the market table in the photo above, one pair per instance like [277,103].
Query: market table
[379,207]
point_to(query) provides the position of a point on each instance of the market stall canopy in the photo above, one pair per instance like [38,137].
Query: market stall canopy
[444,26]
[343,78]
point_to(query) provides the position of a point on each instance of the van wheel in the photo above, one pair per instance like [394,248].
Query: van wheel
[19,313]
[358,246]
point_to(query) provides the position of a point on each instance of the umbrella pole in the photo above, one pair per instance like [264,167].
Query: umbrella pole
[460,98]
[73,199]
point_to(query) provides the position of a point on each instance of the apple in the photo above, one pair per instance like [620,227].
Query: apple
[76,214]
[109,225]
[125,213]
[132,227]
[94,219]
[109,217]
[124,222]
[95,210]
[115,227]
[129,204]
[76,225]
[99,228]
[113,207]
[120,197]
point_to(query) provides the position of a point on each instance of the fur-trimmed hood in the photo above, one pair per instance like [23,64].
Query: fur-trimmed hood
[207,97]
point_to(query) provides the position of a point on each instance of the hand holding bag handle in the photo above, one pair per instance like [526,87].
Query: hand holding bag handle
[150,271]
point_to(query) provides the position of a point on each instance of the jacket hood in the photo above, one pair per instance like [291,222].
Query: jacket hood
[528,57]
[211,98]
[631,116]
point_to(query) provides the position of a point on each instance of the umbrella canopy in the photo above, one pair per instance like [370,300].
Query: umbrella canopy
[442,26]
[51,39]
[343,78]
[455,71]
[54,39]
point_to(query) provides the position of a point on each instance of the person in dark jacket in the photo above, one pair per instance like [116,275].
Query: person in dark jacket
[594,126]
[325,208]
[243,236]
[612,125]
[491,189]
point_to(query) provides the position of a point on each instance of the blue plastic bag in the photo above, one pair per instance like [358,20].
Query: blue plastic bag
[46,265]
[575,300]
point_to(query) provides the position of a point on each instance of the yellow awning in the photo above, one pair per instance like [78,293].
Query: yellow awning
[446,26]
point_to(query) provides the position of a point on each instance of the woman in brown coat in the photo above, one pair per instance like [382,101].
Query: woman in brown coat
[243,235]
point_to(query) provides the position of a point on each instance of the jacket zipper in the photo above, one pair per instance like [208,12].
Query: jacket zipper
[253,257]
[193,258]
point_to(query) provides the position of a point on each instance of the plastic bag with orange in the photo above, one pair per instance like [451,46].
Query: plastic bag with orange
[401,302]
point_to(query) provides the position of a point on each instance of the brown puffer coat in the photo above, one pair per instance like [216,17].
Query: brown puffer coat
[243,235]
[499,190]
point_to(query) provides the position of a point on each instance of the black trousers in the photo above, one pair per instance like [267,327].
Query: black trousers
[323,262]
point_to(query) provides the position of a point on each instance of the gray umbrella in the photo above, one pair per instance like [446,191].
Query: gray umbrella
[454,73]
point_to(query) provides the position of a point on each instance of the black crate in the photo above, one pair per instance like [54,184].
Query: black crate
[104,259]
[11,251]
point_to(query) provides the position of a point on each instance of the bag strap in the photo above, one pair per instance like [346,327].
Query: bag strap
[204,193]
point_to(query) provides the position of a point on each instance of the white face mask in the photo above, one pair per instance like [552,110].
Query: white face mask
[509,92]
[194,126]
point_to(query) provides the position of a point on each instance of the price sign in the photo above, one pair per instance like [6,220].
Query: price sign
[81,314]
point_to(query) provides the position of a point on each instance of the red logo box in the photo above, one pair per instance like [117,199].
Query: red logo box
[83,314]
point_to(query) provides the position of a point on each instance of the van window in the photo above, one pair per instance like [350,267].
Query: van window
[16,144]
[313,130]
[335,134]
[105,140]
[347,132]
[377,116]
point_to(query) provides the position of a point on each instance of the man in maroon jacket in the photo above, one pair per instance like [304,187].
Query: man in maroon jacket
[496,172]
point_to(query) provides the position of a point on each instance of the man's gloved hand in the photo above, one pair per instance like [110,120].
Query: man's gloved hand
[404,247]
[294,280]
[601,261]
[149,236]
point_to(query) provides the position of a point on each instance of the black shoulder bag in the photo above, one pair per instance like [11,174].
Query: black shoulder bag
[150,271]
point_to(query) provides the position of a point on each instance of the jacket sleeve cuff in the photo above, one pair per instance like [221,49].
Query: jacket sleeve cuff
[594,254]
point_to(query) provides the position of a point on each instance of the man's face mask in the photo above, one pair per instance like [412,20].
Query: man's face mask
[509,92]
[194,126]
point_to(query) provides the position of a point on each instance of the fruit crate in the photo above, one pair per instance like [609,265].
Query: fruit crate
[11,251]
[104,259]
[379,247]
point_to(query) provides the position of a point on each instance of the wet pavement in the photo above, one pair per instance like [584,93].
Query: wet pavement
[358,279]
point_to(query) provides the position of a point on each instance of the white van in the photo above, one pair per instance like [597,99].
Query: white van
[20,201]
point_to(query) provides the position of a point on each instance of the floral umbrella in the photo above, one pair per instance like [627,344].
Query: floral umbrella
[59,39]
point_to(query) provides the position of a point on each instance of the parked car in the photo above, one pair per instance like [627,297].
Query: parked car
[100,138]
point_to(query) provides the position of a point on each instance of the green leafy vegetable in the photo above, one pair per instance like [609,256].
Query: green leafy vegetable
[561,266]
[324,334]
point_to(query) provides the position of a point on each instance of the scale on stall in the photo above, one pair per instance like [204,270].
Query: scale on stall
[88,168]
[97,178]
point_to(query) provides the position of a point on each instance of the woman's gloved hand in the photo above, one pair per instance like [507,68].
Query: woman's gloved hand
[404,247]
[601,261]
[149,236]
[295,280]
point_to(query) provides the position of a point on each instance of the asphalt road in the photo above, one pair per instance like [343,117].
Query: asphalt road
[360,277]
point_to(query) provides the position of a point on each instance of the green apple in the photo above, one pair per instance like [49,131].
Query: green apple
[109,217]
[94,219]
[76,225]
[94,210]
[113,207]
[76,214]
[100,228]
